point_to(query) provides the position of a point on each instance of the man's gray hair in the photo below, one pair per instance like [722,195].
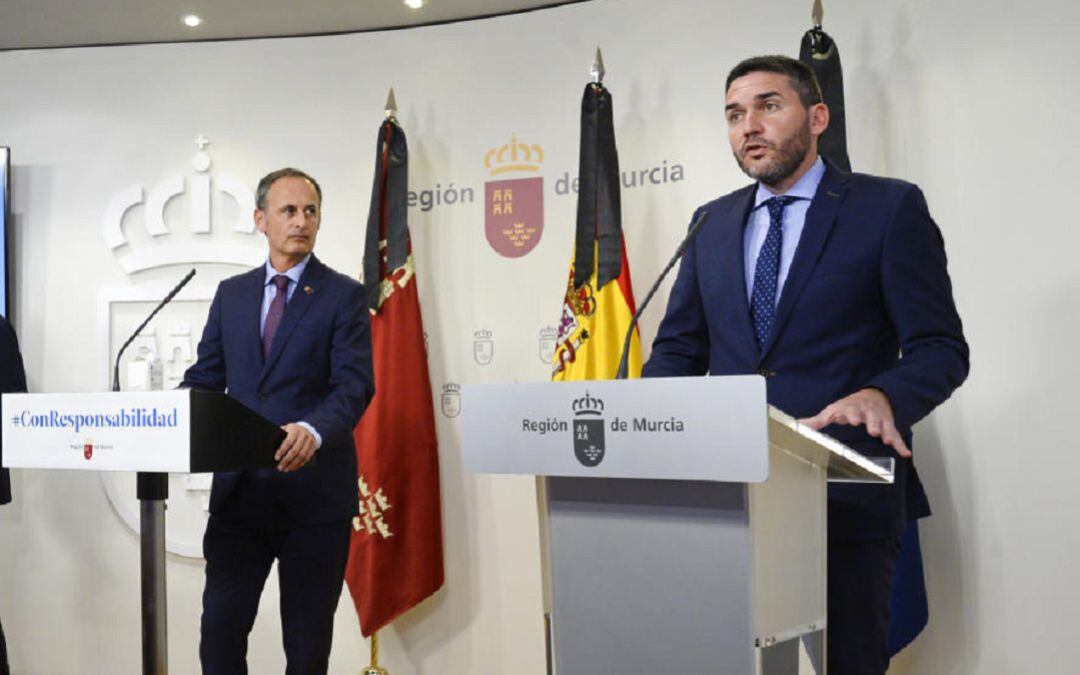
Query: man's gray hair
[270,178]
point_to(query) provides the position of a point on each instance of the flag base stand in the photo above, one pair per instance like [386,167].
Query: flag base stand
[374,668]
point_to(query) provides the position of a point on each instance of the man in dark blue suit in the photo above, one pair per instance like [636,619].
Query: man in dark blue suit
[834,288]
[12,379]
[291,341]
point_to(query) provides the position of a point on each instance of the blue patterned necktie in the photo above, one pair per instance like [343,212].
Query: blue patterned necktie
[276,311]
[767,271]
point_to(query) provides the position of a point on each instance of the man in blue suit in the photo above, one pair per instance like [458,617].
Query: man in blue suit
[290,340]
[834,288]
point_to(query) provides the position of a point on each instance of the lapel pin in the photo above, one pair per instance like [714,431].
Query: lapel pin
[309,290]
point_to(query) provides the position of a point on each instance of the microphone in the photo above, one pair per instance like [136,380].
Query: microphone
[167,300]
[624,364]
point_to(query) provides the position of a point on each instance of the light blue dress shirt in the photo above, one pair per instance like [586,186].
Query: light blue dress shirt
[269,293]
[757,226]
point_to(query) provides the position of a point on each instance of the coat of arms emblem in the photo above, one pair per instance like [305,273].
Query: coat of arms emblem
[589,430]
[483,347]
[514,207]
[451,399]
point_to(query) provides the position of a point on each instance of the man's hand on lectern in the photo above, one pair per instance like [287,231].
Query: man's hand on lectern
[869,407]
[296,450]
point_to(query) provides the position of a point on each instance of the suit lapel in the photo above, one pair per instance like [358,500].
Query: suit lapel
[306,293]
[729,262]
[251,308]
[820,218]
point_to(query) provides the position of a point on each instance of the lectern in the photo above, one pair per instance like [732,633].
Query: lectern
[683,519]
[155,432]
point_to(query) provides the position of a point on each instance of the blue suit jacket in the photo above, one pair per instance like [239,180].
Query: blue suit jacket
[867,303]
[318,370]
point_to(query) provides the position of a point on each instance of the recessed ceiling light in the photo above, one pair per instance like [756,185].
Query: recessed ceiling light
[192,20]
[415,4]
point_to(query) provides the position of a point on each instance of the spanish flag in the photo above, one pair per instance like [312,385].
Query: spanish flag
[599,301]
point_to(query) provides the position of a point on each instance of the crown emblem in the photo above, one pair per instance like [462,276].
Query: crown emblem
[162,243]
[451,388]
[588,405]
[483,334]
[549,332]
[514,156]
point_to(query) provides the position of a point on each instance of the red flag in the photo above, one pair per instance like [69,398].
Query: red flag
[396,556]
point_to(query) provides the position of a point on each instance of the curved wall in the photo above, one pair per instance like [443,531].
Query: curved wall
[971,100]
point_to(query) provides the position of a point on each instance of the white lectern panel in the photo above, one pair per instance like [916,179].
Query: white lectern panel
[687,428]
[116,431]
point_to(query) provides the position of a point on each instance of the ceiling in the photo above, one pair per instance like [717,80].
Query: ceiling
[36,24]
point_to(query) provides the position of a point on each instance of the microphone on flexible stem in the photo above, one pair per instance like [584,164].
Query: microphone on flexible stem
[167,300]
[624,365]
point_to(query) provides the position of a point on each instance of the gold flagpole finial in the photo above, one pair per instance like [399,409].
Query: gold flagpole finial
[391,105]
[597,71]
[374,668]
[817,13]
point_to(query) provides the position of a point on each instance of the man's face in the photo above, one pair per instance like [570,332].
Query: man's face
[771,133]
[290,221]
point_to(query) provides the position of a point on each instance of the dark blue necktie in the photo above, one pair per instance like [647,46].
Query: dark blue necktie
[276,311]
[767,271]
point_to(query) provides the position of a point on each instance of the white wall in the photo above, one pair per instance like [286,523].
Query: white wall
[969,99]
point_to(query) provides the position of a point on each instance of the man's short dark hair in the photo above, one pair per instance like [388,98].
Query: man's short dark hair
[799,74]
[270,178]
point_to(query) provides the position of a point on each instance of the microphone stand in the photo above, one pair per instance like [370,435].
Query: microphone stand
[624,365]
[152,490]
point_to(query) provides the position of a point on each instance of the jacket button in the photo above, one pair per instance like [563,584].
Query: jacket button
[765,372]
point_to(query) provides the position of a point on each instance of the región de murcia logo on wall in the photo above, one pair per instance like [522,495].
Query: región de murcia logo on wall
[514,208]
[589,430]
[549,336]
[483,347]
[451,399]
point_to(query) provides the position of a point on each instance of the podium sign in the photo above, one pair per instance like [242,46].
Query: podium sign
[123,431]
[679,428]
[147,431]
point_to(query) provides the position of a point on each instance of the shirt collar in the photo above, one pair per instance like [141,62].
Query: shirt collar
[293,272]
[804,188]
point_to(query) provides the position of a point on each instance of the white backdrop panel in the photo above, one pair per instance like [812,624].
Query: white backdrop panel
[935,95]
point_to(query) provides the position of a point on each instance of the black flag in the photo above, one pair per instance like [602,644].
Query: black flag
[909,609]
[388,205]
[599,215]
[819,51]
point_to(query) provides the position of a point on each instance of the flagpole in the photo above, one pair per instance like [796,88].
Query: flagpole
[373,668]
[390,109]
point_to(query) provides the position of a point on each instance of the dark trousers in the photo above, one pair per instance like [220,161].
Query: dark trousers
[241,543]
[860,590]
